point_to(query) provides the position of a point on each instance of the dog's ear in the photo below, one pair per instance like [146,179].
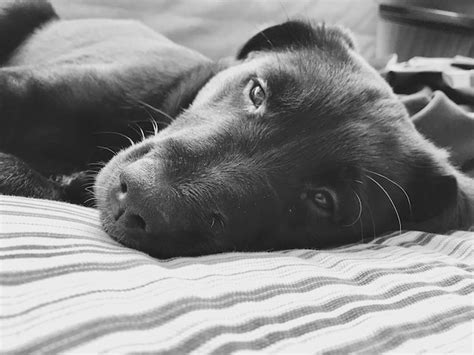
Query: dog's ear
[295,34]
[432,191]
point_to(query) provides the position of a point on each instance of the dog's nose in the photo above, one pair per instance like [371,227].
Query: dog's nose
[123,210]
[147,207]
[127,198]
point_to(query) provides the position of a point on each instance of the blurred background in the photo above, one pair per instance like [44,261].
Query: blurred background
[217,28]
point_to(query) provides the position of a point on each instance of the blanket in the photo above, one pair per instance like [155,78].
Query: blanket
[65,286]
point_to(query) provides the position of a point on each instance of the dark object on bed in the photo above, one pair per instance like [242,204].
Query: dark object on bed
[426,28]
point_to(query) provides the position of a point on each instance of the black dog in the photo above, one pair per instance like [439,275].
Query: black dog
[295,143]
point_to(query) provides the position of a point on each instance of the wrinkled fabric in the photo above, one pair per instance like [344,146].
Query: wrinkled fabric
[440,112]
[449,126]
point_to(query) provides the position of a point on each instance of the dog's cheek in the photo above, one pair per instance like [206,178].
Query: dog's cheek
[349,208]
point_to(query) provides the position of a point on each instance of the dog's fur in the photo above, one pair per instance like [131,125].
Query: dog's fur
[326,156]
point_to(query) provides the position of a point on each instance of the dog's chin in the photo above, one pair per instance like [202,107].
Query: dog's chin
[117,233]
[141,242]
[110,225]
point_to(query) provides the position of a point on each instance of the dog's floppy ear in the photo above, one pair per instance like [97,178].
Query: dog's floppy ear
[432,191]
[295,34]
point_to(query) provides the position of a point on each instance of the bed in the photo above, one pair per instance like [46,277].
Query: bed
[65,286]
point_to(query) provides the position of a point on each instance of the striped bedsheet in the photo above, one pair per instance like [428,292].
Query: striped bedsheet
[65,286]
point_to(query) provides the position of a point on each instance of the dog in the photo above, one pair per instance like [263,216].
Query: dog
[295,143]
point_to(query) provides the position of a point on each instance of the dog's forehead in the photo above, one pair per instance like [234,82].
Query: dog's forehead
[314,94]
[309,72]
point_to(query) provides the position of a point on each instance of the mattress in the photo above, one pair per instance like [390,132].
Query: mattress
[65,286]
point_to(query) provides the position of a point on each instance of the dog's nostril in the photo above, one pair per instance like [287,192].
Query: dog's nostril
[135,221]
[118,212]
[123,187]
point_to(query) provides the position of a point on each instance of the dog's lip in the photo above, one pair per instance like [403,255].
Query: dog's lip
[135,241]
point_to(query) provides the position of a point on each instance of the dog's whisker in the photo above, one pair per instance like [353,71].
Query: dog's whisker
[134,125]
[121,135]
[391,201]
[100,188]
[153,118]
[107,149]
[155,126]
[93,171]
[89,200]
[360,211]
[397,185]
[89,181]
[142,133]
[101,164]
[90,174]
[155,109]
[361,208]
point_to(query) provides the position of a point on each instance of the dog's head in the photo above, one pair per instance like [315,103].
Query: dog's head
[300,143]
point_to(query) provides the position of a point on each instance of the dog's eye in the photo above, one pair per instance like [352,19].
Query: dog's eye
[321,198]
[257,94]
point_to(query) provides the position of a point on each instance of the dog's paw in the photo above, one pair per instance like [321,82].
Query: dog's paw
[19,179]
[78,188]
